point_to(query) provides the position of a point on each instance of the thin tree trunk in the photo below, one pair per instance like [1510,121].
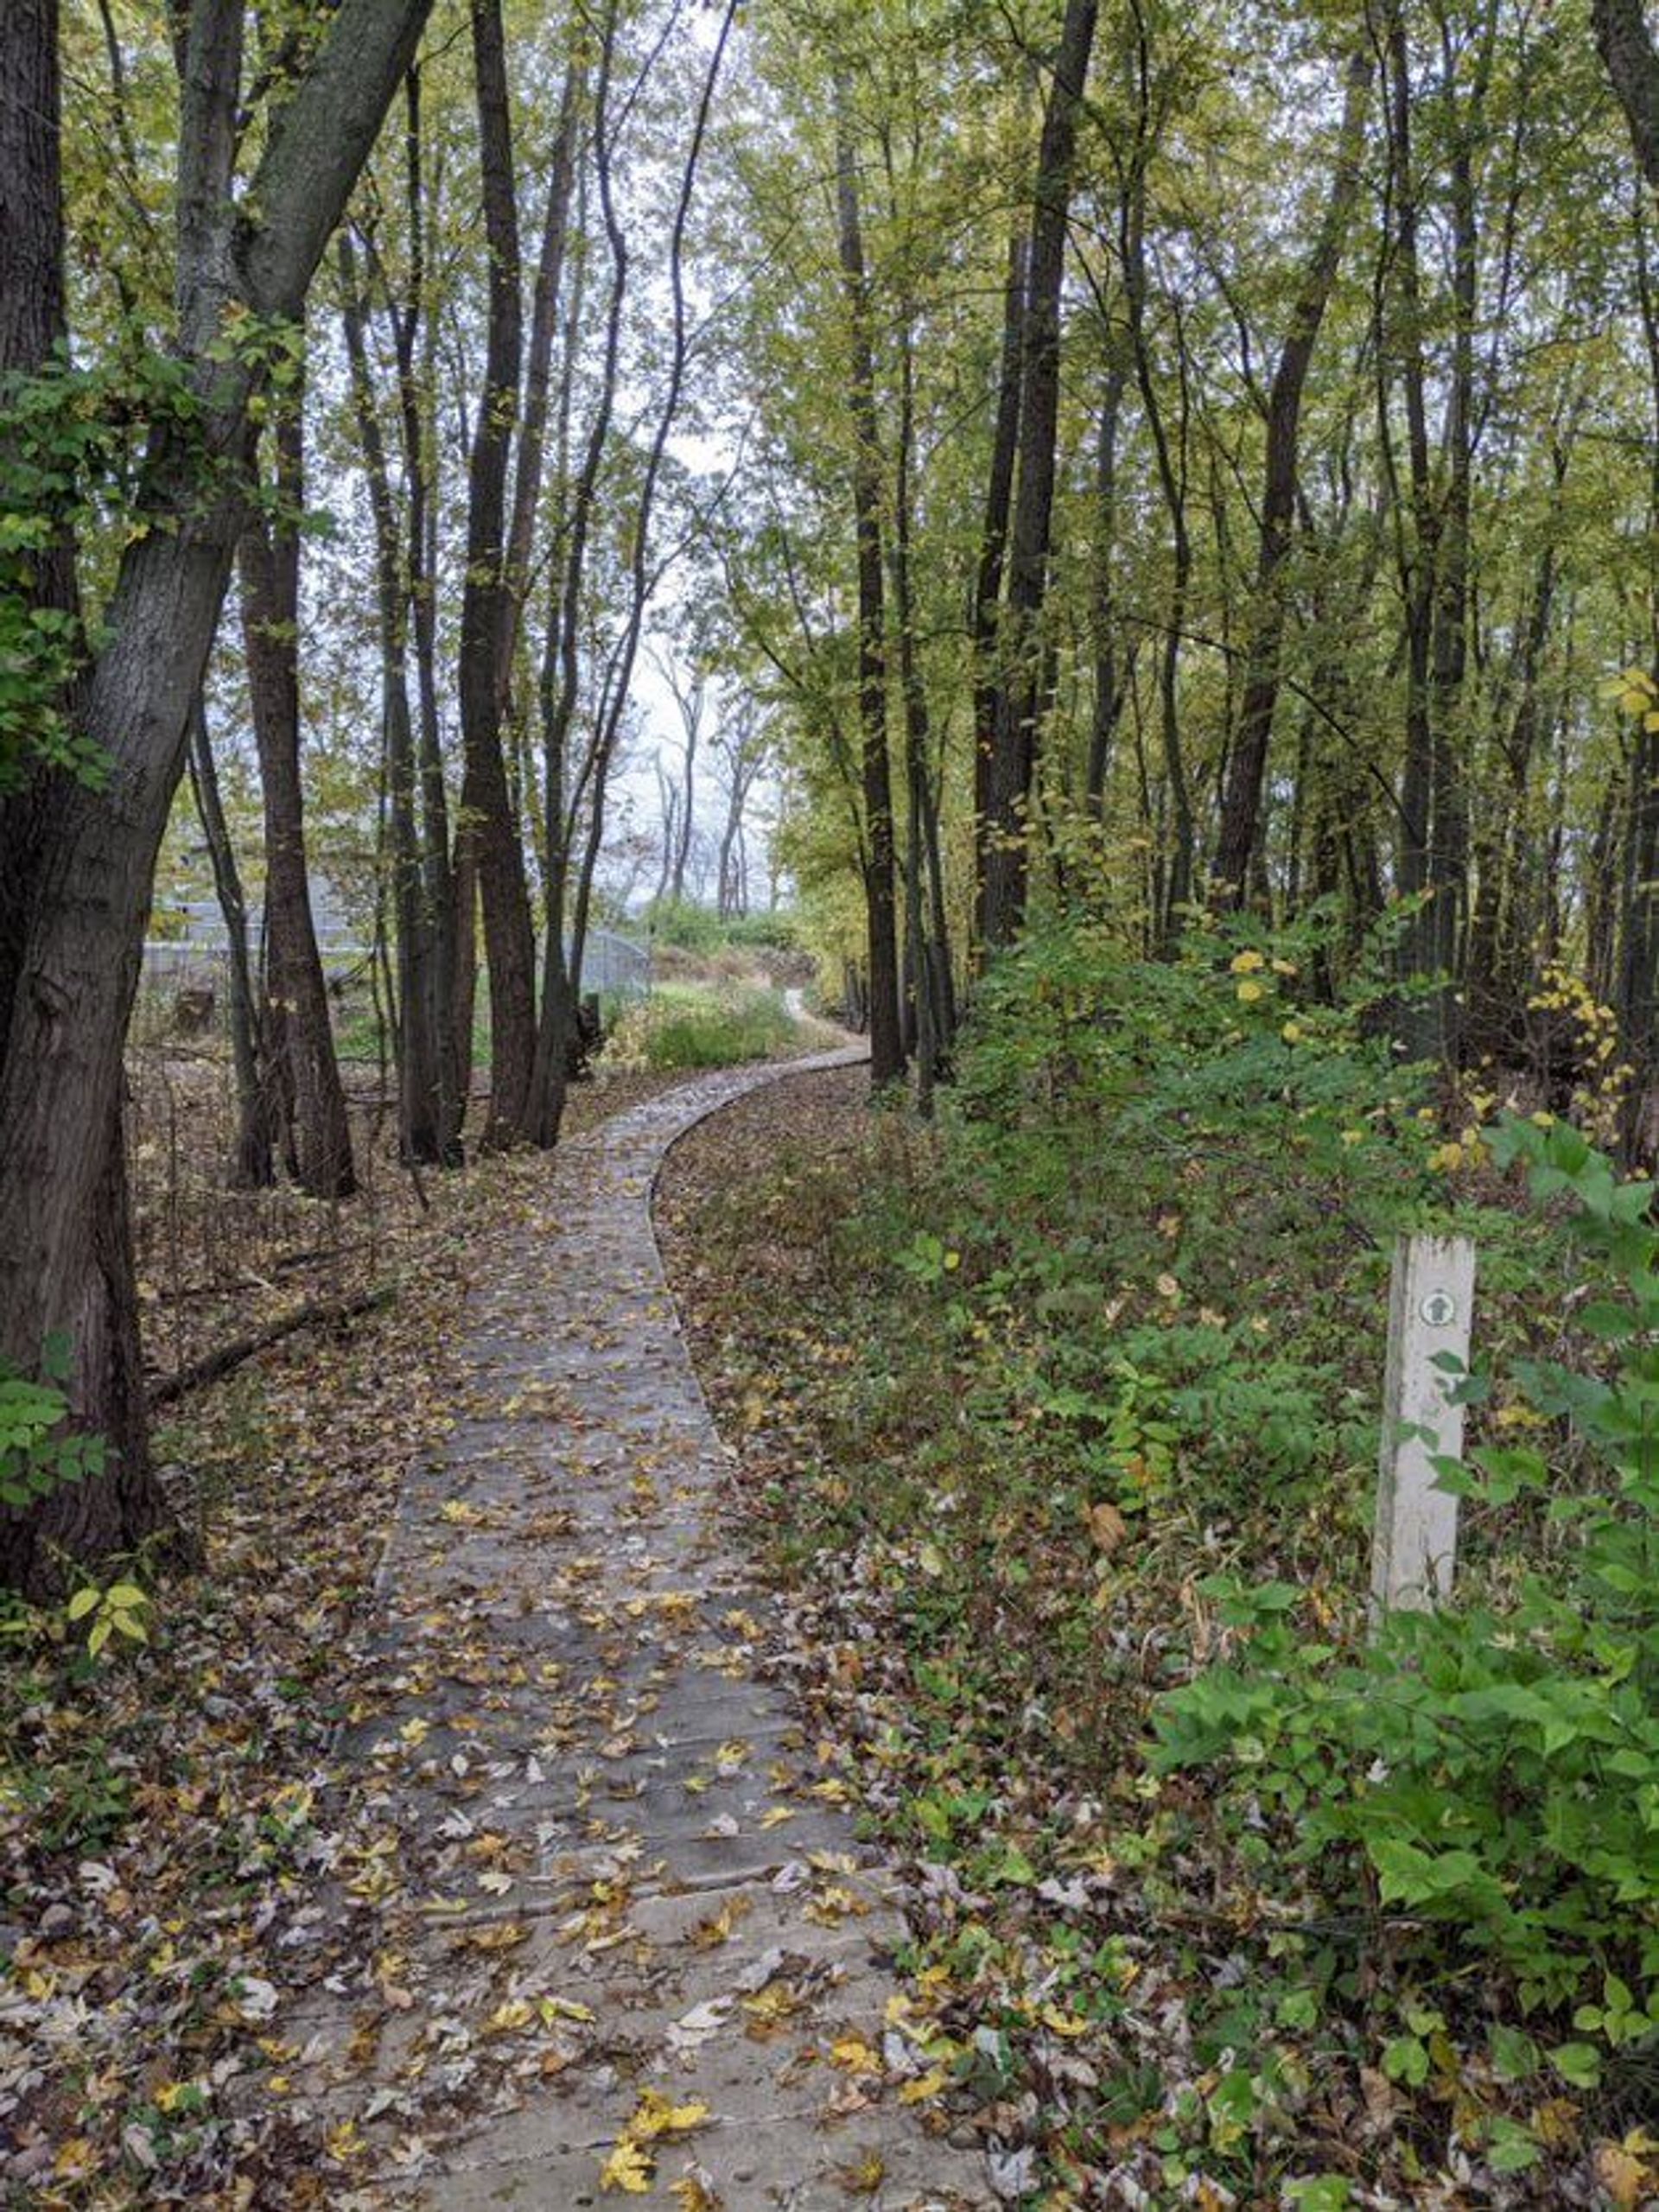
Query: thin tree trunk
[886,1034]
[1241,815]
[993,552]
[1108,705]
[270,565]
[251,1164]
[420,1108]
[438,874]
[1020,691]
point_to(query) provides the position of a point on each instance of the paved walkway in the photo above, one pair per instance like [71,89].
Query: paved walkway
[607,1929]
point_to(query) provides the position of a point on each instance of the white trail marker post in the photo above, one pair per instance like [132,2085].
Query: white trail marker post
[1431,1298]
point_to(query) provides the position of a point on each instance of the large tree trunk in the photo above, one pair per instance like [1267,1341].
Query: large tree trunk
[887,1033]
[269,576]
[65,1254]
[71,1276]
[1633,65]
[490,819]
[1020,689]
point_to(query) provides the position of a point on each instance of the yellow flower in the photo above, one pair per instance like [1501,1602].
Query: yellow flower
[1248,993]
[1246,963]
[1446,1157]
[1293,1033]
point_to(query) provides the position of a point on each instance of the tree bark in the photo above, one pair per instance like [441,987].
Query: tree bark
[251,1163]
[993,552]
[491,822]
[1241,814]
[452,1069]
[1632,62]
[420,1105]
[65,1257]
[1020,691]
[269,572]
[886,1034]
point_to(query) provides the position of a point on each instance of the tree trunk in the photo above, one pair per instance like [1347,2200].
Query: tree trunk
[420,1105]
[1108,704]
[1632,64]
[64,1253]
[417,372]
[252,1167]
[1241,814]
[886,1035]
[270,565]
[992,551]
[1019,692]
[491,820]
[66,1244]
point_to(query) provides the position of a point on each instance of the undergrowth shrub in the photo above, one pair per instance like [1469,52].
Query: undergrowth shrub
[1492,1767]
[696,1025]
[1092,1375]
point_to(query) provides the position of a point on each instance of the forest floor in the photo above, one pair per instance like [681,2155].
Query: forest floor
[483,1862]
[1129,2010]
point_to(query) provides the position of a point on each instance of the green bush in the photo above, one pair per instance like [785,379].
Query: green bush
[38,1451]
[698,1026]
[1494,1766]
[700,929]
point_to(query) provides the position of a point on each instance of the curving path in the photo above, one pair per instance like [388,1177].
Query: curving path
[599,1904]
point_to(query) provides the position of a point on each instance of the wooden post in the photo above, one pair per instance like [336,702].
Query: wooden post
[1413,1550]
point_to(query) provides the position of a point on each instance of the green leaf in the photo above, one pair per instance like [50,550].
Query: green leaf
[1577,2062]
[84,1602]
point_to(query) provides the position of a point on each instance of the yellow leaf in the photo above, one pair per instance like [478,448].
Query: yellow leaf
[865,2177]
[1623,2171]
[344,2142]
[656,2115]
[1065,2023]
[508,2018]
[855,2056]
[694,2195]
[628,2169]
[930,2084]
